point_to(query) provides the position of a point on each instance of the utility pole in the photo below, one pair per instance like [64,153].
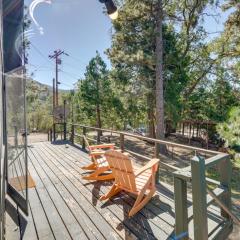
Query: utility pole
[54,100]
[54,97]
[56,55]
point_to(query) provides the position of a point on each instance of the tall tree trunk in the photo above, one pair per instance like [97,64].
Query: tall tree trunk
[150,112]
[98,111]
[159,148]
[159,77]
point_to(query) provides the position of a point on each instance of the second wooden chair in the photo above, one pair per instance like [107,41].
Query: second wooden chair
[99,165]
[138,181]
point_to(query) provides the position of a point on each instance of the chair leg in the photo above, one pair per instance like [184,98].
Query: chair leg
[92,166]
[96,175]
[141,201]
[113,191]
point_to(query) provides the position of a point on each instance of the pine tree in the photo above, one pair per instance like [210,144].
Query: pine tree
[95,90]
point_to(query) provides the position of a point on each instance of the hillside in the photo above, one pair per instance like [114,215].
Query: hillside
[43,91]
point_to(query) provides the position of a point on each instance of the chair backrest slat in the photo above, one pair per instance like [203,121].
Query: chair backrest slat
[122,169]
[87,143]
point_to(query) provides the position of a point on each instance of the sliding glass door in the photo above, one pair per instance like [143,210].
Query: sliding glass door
[14,103]
[16,154]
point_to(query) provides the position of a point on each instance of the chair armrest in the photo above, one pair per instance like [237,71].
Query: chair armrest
[97,153]
[153,163]
[102,146]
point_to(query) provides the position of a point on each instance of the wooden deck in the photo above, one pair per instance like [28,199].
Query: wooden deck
[64,206]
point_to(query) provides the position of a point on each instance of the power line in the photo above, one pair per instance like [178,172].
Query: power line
[67,85]
[70,75]
[77,59]
[52,68]
[47,60]
[40,53]
[74,67]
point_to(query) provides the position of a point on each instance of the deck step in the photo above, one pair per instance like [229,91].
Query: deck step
[217,191]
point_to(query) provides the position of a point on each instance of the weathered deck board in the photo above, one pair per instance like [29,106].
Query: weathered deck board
[64,211]
[140,218]
[64,206]
[124,201]
[76,180]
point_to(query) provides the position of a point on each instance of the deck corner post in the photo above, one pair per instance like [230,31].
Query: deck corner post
[225,170]
[122,142]
[181,214]
[199,194]
[85,135]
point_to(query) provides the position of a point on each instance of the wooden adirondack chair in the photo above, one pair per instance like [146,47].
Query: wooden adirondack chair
[99,164]
[139,181]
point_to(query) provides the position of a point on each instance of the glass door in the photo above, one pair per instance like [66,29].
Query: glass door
[14,103]
[16,154]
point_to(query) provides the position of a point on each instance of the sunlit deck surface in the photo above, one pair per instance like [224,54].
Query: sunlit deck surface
[64,206]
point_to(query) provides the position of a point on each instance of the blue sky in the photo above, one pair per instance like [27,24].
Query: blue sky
[80,28]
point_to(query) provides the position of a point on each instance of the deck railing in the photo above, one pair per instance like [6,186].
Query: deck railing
[194,175]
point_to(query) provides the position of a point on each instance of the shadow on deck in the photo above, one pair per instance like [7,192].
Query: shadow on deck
[64,206]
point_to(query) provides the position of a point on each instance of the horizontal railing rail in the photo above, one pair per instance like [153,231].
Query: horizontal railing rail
[153,140]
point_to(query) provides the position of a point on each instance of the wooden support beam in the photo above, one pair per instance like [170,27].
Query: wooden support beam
[225,170]
[65,131]
[181,214]
[122,142]
[72,133]
[224,207]
[83,141]
[54,132]
[99,136]
[199,193]
[51,135]
[156,150]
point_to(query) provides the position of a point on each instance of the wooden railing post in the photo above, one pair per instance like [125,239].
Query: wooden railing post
[72,133]
[199,193]
[156,150]
[122,142]
[181,214]
[156,155]
[225,170]
[98,136]
[15,136]
[83,141]
[65,131]
[50,135]
[54,132]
